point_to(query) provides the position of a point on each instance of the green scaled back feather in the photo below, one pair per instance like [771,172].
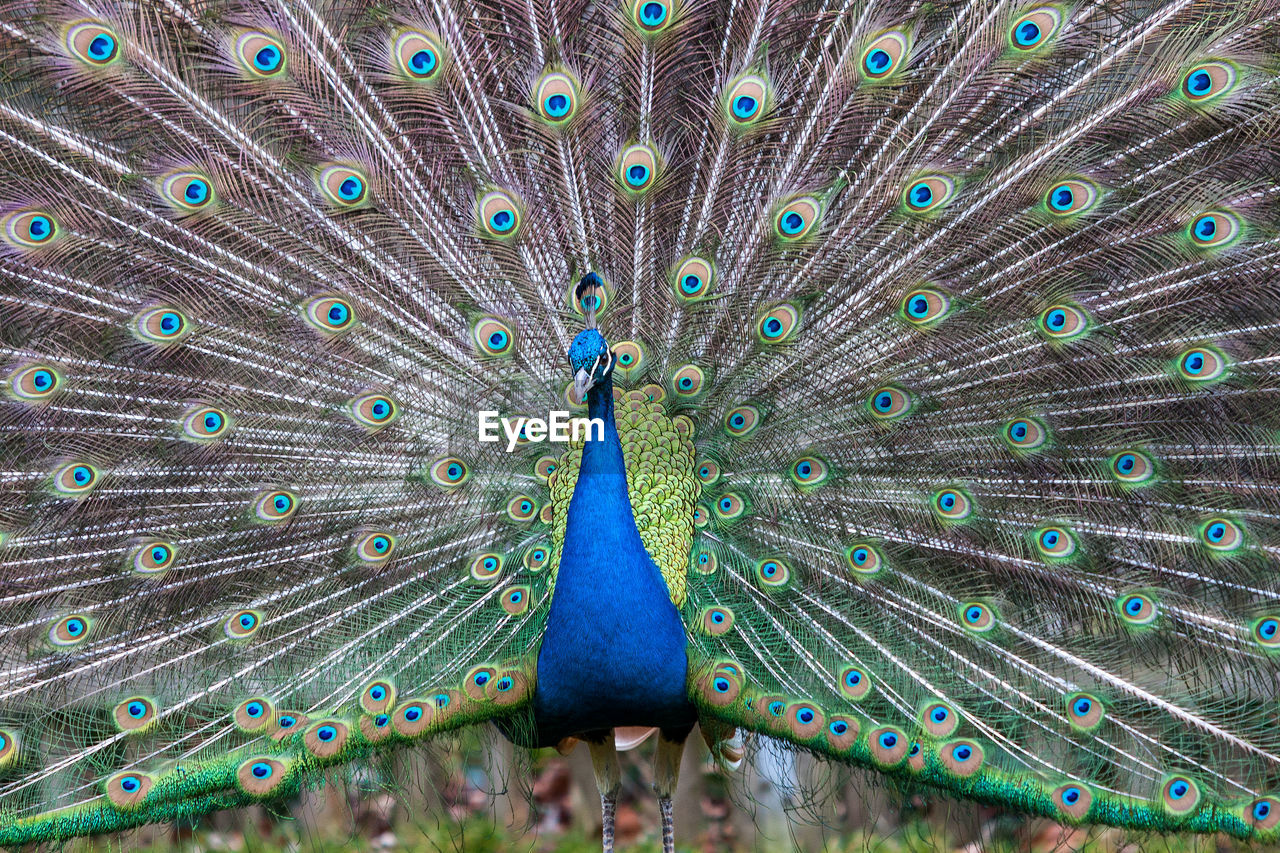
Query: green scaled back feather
[968,310]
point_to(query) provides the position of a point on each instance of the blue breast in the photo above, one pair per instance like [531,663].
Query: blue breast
[614,649]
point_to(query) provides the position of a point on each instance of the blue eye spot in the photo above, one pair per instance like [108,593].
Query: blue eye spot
[1057,319]
[288,722]
[839,727]
[919,307]
[792,223]
[196,192]
[381,720]
[338,314]
[854,678]
[737,420]
[39,227]
[653,14]
[129,784]
[776,708]
[878,61]
[267,59]
[42,379]
[947,501]
[1126,462]
[247,621]
[261,770]
[351,188]
[1071,796]
[502,220]
[1062,198]
[423,61]
[805,715]
[915,749]
[1199,83]
[1133,606]
[326,733]
[1178,789]
[1269,628]
[481,679]
[254,709]
[557,105]
[170,323]
[413,713]
[137,709]
[973,614]
[939,715]
[744,106]
[962,753]
[81,474]
[921,195]
[1261,810]
[717,617]
[103,46]
[721,685]
[888,740]
[691,284]
[637,175]
[1028,33]
[1206,226]
[378,693]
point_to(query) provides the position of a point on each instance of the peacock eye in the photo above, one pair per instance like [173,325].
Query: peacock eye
[977,617]
[637,168]
[260,54]
[242,624]
[1063,322]
[487,566]
[417,56]
[34,383]
[204,424]
[884,55]
[343,186]
[1207,81]
[889,403]
[778,324]
[773,573]
[925,306]
[275,506]
[796,219]
[1035,29]
[651,16]
[499,214]
[745,100]
[1213,229]
[1024,435]
[449,472]
[556,97]
[330,314]
[93,43]
[1070,198]
[1200,365]
[1137,610]
[692,279]
[162,325]
[928,193]
[374,411]
[187,192]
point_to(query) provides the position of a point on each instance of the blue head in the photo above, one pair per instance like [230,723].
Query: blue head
[591,360]
[589,354]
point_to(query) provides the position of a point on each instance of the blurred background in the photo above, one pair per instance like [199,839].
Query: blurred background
[464,795]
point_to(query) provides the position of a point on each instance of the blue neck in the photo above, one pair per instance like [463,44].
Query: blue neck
[614,649]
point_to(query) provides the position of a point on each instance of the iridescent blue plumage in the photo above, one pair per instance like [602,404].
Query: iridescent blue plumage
[614,649]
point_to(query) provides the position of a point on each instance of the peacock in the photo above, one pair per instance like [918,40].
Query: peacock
[922,361]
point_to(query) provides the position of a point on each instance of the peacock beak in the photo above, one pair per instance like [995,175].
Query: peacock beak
[582,382]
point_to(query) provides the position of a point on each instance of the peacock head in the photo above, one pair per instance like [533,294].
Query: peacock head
[589,354]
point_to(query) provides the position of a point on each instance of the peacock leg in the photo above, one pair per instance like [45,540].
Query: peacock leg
[604,761]
[666,772]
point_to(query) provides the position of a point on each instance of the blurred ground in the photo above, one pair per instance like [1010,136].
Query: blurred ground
[480,796]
